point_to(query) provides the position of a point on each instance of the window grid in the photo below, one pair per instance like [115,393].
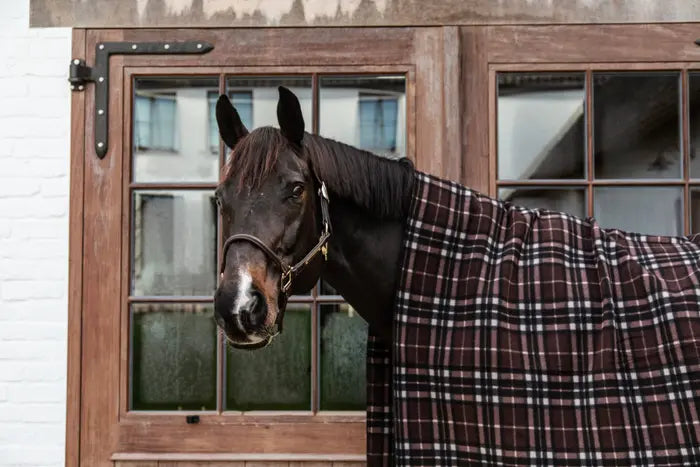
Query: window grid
[685,182]
[314,300]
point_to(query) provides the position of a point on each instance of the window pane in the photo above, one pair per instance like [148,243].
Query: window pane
[343,351]
[173,243]
[173,357]
[255,98]
[571,201]
[636,123]
[695,210]
[541,126]
[368,112]
[694,123]
[277,377]
[172,131]
[647,210]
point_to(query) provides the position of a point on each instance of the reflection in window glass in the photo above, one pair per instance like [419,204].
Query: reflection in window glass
[342,361]
[541,126]
[637,125]
[255,98]
[277,377]
[368,112]
[570,201]
[171,130]
[155,122]
[173,357]
[646,210]
[694,122]
[173,243]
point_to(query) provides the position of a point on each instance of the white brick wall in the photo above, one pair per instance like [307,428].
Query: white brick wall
[34,163]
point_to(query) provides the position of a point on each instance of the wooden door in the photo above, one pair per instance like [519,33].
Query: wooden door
[115,213]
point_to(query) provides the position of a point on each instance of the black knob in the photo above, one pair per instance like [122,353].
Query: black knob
[192,419]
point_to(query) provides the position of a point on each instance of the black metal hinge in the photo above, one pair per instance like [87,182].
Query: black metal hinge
[79,74]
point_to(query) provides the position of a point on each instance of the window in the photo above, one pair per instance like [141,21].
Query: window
[597,143]
[155,122]
[365,111]
[177,359]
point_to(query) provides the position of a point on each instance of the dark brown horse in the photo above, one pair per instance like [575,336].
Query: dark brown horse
[272,210]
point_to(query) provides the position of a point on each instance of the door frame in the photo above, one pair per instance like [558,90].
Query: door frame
[99,430]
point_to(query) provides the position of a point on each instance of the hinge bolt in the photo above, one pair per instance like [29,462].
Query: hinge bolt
[102,46]
[166,46]
[100,144]
[133,46]
[100,112]
[76,61]
[81,87]
[199,46]
[101,78]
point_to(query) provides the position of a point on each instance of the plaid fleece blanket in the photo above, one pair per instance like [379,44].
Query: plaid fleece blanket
[534,337]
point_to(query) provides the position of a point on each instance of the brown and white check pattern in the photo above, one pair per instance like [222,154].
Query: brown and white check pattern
[531,337]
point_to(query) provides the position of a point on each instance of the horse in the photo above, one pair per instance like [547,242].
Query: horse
[498,334]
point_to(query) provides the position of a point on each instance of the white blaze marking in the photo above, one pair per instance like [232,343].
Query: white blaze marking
[243,296]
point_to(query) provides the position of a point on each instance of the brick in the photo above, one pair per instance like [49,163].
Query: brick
[34,165]
[35,392]
[56,228]
[27,330]
[47,310]
[27,290]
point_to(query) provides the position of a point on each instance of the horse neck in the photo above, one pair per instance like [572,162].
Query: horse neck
[363,262]
[369,199]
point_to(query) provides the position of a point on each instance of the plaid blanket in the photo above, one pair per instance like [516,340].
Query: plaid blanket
[533,337]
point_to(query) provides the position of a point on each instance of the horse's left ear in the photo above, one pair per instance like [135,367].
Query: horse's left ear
[289,116]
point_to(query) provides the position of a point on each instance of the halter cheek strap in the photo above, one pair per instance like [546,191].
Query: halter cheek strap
[288,273]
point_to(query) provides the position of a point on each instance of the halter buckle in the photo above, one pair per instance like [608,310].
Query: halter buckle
[324,250]
[286,282]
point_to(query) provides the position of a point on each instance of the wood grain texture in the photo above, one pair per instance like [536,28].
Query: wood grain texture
[452,100]
[605,43]
[282,47]
[75,264]
[429,102]
[101,284]
[475,169]
[136,464]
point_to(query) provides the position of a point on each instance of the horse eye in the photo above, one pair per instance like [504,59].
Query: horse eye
[298,191]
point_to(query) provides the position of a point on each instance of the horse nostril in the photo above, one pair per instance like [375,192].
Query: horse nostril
[254,310]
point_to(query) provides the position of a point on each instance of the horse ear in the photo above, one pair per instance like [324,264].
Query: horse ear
[231,127]
[289,116]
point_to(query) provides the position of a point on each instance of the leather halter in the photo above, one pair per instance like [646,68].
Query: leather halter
[288,272]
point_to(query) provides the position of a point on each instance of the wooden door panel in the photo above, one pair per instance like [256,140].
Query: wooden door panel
[107,433]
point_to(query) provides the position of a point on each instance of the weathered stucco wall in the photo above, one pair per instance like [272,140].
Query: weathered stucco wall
[236,13]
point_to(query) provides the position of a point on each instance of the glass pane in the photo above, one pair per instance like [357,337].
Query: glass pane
[568,200]
[636,125]
[255,98]
[173,243]
[172,130]
[694,123]
[541,126]
[647,210]
[695,210]
[368,112]
[343,352]
[277,377]
[173,357]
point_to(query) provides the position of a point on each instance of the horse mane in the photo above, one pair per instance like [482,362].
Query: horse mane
[381,186]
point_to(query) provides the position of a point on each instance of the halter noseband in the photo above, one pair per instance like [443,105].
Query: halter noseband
[288,272]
